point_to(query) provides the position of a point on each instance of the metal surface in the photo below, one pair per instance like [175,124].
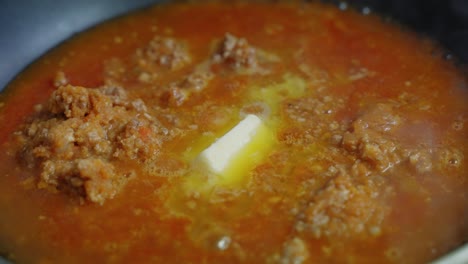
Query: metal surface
[29,28]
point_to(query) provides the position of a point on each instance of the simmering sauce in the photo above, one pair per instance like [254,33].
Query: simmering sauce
[367,160]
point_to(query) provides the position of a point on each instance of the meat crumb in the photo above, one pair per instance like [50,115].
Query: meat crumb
[294,252]
[165,52]
[60,79]
[370,137]
[177,93]
[341,209]
[421,161]
[81,133]
[236,52]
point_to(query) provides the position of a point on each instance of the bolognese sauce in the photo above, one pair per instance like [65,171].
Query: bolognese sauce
[368,162]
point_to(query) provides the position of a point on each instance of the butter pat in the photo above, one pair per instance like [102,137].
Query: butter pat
[218,155]
[230,157]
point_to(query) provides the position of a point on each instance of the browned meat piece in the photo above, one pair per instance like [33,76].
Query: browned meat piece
[381,117]
[343,209]
[117,94]
[93,179]
[294,252]
[196,81]
[371,137]
[75,101]
[98,180]
[450,158]
[60,79]
[310,118]
[164,52]
[421,161]
[236,52]
[138,140]
[178,93]
[376,138]
[174,96]
[81,133]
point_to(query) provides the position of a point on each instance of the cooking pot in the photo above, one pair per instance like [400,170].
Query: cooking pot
[30,28]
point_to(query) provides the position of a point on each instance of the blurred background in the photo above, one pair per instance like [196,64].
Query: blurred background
[443,20]
[28,28]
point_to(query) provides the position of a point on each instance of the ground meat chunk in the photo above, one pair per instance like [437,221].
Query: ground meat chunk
[132,141]
[310,119]
[381,117]
[421,160]
[178,93]
[163,52]
[99,181]
[174,96]
[379,140]
[60,79]
[380,152]
[371,139]
[116,94]
[196,81]
[93,179]
[74,101]
[236,52]
[343,209]
[81,134]
[294,252]
[450,158]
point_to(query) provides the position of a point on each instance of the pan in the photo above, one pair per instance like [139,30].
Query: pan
[28,29]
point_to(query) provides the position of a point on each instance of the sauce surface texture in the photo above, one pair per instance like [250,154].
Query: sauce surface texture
[366,128]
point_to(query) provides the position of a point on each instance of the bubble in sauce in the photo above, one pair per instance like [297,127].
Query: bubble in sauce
[223,243]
